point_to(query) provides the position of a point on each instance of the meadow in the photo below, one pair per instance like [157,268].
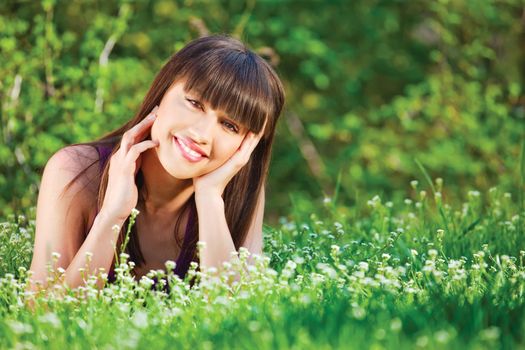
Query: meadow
[419,273]
[395,198]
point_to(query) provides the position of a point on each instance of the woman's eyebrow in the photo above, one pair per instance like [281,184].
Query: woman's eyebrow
[206,105]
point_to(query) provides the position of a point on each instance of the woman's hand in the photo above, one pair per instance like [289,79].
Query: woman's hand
[215,182]
[121,193]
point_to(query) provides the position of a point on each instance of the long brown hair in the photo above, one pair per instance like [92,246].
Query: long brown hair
[233,79]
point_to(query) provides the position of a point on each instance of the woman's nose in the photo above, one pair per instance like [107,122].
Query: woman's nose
[201,131]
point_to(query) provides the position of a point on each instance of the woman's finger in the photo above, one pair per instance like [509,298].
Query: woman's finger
[248,145]
[251,141]
[138,132]
[135,150]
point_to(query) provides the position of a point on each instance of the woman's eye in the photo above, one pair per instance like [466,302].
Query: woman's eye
[195,103]
[231,126]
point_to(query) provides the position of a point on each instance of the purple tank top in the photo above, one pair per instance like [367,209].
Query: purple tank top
[186,254]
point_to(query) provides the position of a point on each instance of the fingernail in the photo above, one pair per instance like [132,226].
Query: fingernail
[154,110]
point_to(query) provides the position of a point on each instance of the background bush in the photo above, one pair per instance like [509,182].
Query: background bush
[371,86]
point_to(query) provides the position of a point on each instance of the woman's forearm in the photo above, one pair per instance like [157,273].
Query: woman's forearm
[213,229]
[100,242]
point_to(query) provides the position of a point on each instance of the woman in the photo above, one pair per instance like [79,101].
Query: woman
[193,161]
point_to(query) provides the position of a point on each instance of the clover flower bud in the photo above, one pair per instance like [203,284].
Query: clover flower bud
[170,265]
[124,256]
[439,183]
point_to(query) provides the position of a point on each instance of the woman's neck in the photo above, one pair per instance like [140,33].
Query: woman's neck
[161,192]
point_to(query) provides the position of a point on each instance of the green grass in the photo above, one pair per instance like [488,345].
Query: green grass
[421,273]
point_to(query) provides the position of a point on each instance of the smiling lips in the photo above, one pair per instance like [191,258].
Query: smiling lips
[189,150]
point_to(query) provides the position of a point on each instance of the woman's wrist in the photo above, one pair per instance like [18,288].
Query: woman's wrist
[106,219]
[208,198]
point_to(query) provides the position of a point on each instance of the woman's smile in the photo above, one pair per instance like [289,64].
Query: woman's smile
[189,150]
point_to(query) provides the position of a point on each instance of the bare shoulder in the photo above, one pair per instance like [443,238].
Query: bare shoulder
[76,168]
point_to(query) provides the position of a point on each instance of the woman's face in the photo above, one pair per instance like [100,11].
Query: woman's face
[193,139]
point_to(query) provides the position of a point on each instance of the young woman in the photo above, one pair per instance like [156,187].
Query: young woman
[193,161]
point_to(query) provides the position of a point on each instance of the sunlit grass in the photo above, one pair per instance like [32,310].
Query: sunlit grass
[421,273]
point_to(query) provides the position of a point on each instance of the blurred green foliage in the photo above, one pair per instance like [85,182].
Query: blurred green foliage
[371,86]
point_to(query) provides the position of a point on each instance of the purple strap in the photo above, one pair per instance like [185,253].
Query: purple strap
[186,254]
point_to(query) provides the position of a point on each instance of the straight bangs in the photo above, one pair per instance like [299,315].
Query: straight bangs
[234,83]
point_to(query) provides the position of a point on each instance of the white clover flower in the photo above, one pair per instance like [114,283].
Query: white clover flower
[454,264]
[432,253]
[55,255]
[414,184]
[170,265]
[480,254]
[327,200]
[140,319]
[359,313]
[298,260]
[335,249]
[135,212]
[146,282]
[290,265]
[442,336]
[358,274]
[422,341]
[385,256]
[115,228]
[89,255]
[396,324]
[124,256]
[363,265]
[19,327]
[413,252]
[212,270]
[491,333]
[473,194]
